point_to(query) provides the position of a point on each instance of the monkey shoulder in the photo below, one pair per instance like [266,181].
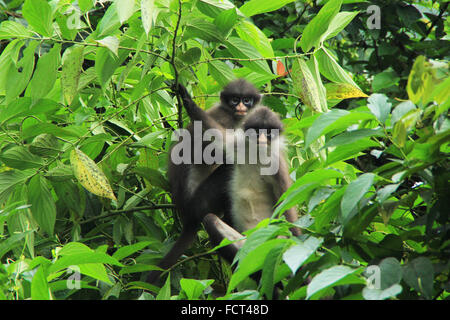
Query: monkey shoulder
[222,115]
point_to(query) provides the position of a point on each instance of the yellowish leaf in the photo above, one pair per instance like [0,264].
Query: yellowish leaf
[305,86]
[201,101]
[343,91]
[90,175]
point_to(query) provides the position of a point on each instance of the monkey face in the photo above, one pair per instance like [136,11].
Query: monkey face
[239,96]
[241,105]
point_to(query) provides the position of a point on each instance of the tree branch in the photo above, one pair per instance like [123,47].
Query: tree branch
[116,212]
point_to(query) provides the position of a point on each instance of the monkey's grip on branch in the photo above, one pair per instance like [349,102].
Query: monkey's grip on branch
[219,230]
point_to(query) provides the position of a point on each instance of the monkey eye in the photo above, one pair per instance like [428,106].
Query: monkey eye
[234,101]
[248,101]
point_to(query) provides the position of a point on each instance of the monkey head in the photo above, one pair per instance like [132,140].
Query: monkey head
[265,123]
[239,97]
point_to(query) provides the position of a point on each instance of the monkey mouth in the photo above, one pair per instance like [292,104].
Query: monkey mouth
[241,113]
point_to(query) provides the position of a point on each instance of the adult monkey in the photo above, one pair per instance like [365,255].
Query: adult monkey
[190,183]
[253,188]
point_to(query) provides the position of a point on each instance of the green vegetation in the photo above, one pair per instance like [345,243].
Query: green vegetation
[86,117]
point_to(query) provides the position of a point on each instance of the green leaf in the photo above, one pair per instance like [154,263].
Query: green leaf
[164,292]
[42,203]
[317,176]
[12,29]
[153,176]
[243,50]
[20,73]
[347,151]
[192,55]
[255,239]
[390,272]
[8,59]
[331,70]
[112,43]
[253,261]
[221,72]
[105,65]
[385,79]
[125,9]
[419,275]
[72,62]
[9,179]
[421,81]
[270,270]
[39,285]
[226,20]
[38,14]
[148,14]
[44,145]
[254,7]
[85,5]
[203,29]
[109,22]
[213,8]
[353,136]
[318,26]
[19,157]
[45,74]
[74,248]
[322,123]
[384,193]
[250,33]
[194,288]
[95,270]
[330,277]
[378,104]
[295,256]
[13,241]
[297,196]
[126,251]
[82,258]
[400,110]
[379,294]
[338,23]
[353,194]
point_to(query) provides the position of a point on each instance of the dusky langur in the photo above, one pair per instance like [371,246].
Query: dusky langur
[256,180]
[192,182]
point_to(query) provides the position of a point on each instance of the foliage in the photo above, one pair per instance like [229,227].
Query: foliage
[87,112]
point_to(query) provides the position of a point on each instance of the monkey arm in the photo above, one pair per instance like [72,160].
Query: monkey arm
[195,112]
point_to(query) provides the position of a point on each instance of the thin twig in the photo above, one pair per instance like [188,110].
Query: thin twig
[126,211]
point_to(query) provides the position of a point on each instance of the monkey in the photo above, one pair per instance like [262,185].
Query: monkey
[191,183]
[251,195]
[252,192]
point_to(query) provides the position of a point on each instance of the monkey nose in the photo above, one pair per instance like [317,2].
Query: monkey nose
[241,109]
[262,139]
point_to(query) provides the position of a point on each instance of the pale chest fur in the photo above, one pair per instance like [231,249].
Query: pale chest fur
[254,200]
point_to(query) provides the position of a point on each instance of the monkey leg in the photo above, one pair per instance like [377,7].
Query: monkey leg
[210,196]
